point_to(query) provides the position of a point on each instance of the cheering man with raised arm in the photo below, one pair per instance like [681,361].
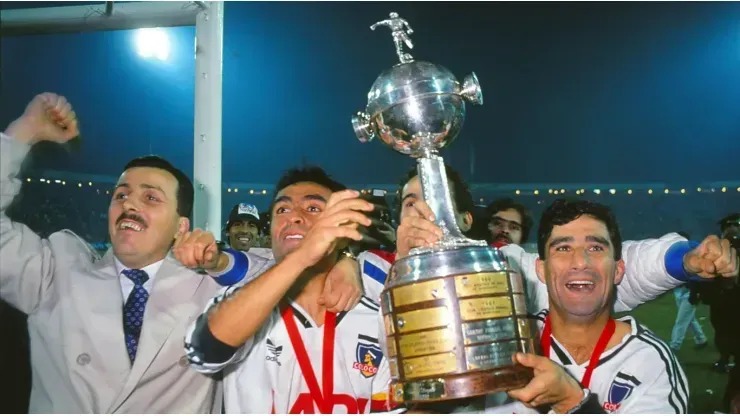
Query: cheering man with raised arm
[280,349]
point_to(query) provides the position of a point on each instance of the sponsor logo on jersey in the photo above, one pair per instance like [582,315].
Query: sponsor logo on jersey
[620,389]
[368,359]
[274,351]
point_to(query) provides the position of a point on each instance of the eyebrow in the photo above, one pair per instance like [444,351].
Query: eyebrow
[560,240]
[314,197]
[590,238]
[407,196]
[310,197]
[143,185]
[598,239]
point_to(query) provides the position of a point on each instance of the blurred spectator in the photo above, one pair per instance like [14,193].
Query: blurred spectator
[508,221]
[685,317]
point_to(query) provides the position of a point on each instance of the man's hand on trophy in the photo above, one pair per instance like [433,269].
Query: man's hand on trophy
[334,226]
[343,286]
[712,258]
[47,117]
[551,385]
[417,228]
[197,249]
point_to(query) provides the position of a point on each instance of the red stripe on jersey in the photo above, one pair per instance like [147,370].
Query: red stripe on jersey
[385,255]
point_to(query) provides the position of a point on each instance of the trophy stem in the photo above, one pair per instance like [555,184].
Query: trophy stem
[436,190]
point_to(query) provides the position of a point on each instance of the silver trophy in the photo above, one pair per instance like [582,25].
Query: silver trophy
[454,313]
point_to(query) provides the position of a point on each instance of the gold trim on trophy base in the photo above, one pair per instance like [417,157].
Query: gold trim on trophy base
[388,323]
[461,386]
[390,343]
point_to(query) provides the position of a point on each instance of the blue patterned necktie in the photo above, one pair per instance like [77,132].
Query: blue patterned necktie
[133,310]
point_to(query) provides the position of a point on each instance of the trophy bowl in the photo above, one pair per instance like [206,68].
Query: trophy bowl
[454,313]
[416,107]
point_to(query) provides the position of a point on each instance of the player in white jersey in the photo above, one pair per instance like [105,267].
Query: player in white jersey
[640,374]
[653,267]
[592,362]
[280,349]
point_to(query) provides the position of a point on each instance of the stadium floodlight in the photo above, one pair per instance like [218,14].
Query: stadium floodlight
[153,43]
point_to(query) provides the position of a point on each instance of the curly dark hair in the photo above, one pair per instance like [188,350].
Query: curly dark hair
[563,211]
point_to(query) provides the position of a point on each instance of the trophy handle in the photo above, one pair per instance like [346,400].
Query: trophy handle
[436,190]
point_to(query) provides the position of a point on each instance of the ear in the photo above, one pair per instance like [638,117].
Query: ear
[467,222]
[539,266]
[619,272]
[183,226]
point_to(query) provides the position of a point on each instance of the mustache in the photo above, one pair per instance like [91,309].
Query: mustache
[132,217]
[590,273]
[504,236]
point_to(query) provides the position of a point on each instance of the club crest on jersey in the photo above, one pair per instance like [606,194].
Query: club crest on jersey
[274,351]
[368,359]
[620,389]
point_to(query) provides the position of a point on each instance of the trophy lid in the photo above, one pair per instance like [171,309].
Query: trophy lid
[407,80]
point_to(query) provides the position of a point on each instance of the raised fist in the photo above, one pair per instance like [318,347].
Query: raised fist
[47,117]
[714,257]
[197,249]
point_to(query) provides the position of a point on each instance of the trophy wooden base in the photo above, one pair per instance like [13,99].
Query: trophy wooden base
[462,386]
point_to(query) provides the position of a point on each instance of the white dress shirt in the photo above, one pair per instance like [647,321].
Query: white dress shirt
[127,285]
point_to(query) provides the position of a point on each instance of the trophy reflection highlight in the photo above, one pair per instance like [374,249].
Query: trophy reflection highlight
[454,313]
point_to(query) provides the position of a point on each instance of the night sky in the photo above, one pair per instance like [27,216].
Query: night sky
[574,92]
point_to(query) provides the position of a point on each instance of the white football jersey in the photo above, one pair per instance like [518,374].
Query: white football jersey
[264,375]
[640,375]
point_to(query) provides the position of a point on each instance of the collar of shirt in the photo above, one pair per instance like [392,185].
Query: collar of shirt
[127,285]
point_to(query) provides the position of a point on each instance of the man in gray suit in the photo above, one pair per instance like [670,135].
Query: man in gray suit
[106,333]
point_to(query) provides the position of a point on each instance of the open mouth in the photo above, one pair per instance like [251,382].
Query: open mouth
[293,237]
[581,286]
[128,225]
[245,238]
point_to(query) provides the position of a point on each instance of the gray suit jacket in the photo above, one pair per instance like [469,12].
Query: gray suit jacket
[75,307]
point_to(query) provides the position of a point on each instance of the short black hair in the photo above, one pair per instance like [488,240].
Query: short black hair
[313,174]
[684,234]
[504,204]
[459,189]
[185,190]
[563,211]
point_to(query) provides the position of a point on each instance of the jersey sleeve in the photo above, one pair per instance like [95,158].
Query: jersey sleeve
[374,271]
[243,265]
[209,355]
[652,267]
